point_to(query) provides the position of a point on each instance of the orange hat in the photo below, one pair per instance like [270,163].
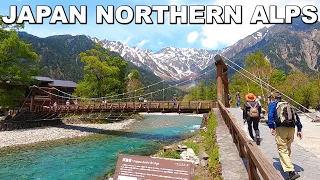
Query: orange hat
[251,97]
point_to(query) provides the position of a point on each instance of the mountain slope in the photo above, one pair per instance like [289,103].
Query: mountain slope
[289,46]
[59,60]
[172,64]
[59,54]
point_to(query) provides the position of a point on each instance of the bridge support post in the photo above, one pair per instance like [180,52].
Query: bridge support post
[32,100]
[222,80]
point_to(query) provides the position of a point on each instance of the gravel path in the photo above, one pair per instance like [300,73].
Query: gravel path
[28,136]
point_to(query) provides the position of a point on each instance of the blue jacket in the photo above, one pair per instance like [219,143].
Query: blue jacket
[272,116]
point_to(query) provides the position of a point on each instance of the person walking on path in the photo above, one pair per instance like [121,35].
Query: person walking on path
[229,99]
[238,99]
[258,100]
[282,119]
[251,115]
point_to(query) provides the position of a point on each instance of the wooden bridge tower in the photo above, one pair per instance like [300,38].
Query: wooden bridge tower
[222,80]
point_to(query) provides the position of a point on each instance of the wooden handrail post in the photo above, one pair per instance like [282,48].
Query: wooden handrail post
[32,101]
[252,169]
[241,148]
[222,80]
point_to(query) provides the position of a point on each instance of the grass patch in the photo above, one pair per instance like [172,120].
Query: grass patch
[169,154]
[211,147]
[193,145]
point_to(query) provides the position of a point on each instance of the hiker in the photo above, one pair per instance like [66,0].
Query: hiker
[229,99]
[238,99]
[271,98]
[251,115]
[75,102]
[282,119]
[174,99]
[140,99]
[258,100]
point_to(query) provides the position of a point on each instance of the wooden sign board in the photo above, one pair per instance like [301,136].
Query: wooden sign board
[147,168]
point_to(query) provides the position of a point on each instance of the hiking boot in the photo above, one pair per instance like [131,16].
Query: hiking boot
[257,137]
[258,140]
[293,175]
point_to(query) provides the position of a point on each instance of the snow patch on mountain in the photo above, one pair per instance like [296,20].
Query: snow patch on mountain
[169,63]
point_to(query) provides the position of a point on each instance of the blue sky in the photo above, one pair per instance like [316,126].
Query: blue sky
[153,37]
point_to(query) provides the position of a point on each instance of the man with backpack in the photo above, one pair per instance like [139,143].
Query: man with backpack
[251,115]
[282,119]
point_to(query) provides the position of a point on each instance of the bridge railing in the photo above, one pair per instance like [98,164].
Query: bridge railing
[132,106]
[258,165]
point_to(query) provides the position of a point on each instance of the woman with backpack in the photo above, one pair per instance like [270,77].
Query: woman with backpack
[251,115]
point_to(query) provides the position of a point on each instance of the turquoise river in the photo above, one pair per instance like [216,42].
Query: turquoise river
[93,158]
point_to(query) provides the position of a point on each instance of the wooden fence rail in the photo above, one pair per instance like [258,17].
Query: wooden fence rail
[256,160]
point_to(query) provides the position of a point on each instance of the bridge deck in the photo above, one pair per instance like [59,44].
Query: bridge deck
[306,163]
[160,106]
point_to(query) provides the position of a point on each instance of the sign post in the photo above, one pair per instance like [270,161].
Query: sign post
[147,168]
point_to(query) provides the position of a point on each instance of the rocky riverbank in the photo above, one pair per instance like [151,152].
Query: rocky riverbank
[36,135]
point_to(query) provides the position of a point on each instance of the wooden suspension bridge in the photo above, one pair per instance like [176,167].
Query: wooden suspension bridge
[198,107]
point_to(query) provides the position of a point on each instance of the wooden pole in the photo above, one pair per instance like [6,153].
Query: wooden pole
[222,80]
[32,101]
[219,83]
[226,88]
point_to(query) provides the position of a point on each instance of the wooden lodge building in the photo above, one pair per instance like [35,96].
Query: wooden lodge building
[51,85]
[40,96]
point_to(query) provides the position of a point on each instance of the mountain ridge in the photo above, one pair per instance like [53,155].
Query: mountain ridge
[287,46]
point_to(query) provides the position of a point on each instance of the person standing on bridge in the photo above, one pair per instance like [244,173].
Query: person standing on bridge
[174,99]
[251,115]
[282,119]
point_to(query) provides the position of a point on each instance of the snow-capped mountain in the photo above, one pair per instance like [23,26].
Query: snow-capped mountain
[172,64]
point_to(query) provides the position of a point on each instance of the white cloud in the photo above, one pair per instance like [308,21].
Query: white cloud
[160,42]
[192,37]
[215,35]
[143,42]
[127,40]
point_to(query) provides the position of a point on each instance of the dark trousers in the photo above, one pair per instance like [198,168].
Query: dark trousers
[255,123]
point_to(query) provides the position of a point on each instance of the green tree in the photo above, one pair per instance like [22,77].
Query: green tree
[103,76]
[134,84]
[201,92]
[18,63]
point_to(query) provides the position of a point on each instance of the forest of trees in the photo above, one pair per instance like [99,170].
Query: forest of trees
[202,92]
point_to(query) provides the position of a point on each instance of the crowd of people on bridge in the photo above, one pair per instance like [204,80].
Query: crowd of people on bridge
[282,120]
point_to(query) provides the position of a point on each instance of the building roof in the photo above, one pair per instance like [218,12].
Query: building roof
[43,79]
[55,82]
[60,83]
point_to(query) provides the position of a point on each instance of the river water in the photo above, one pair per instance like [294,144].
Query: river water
[93,158]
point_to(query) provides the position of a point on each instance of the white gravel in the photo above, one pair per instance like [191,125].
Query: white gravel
[28,136]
